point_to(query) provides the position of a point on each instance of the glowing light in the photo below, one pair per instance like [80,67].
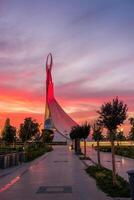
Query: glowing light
[123,160]
[70,148]
[10,184]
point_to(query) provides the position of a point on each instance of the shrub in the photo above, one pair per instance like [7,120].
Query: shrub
[34,150]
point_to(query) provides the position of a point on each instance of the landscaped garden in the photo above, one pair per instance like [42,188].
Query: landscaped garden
[25,146]
[111,117]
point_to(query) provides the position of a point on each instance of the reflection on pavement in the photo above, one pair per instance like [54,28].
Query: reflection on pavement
[123,164]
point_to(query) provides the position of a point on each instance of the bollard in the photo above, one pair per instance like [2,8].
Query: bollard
[131,182]
[21,157]
[13,161]
[2,162]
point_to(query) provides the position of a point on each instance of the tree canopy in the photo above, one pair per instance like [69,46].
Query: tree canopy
[80,131]
[131,133]
[113,114]
[28,129]
[47,135]
[97,131]
[9,132]
[120,136]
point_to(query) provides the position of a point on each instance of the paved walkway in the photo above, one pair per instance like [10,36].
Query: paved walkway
[58,176]
[123,164]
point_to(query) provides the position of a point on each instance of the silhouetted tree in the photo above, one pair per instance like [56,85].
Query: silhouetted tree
[47,135]
[120,136]
[97,136]
[84,133]
[9,132]
[80,132]
[75,135]
[73,132]
[131,120]
[113,114]
[131,133]
[28,129]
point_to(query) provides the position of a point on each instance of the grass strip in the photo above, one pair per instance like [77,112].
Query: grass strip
[103,179]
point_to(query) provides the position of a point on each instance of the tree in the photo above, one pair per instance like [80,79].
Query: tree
[9,132]
[131,120]
[75,135]
[120,136]
[84,133]
[113,114]
[28,129]
[73,132]
[97,136]
[47,135]
[80,132]
[131,133]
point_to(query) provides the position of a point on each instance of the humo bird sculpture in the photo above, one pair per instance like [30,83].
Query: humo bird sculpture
[55,116]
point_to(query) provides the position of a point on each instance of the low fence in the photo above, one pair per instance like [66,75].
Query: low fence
[11,159]
[107,143]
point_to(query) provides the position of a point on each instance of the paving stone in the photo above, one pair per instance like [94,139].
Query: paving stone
[44,180]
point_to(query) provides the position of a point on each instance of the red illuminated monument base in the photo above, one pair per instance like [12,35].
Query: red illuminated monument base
[55,116]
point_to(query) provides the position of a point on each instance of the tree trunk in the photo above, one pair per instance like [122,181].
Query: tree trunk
[117,143]
[75,144]
[113,162]
[98,152]
[78,146]
[85,150]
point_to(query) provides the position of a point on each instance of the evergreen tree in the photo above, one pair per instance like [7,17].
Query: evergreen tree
[9,132]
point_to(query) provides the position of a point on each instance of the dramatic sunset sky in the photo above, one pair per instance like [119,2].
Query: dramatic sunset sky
[92,42]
